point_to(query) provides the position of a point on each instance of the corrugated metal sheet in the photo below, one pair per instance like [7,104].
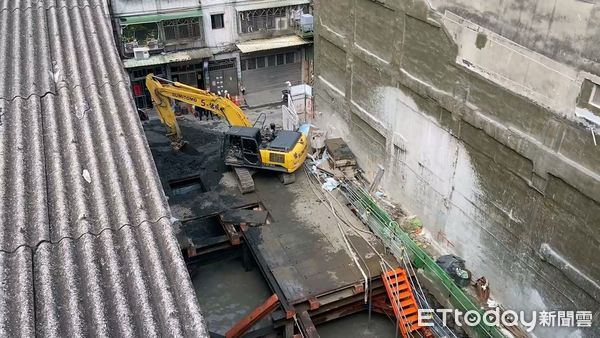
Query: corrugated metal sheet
[254,4]
[271,43]
[148,18]
[187,55]
[86,245]
[137,7]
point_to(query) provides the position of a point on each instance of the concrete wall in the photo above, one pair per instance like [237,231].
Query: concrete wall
[218,39]
[137,7]
[566,30]
[225,38]
[480,137]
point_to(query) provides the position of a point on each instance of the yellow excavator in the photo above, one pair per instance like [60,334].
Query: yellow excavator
[245,147]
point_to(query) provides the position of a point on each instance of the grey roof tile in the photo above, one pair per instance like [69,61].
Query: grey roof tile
[83,51]
[99,168]
[24,46]
[12,5]
[23,201]
[111,284]
[86,243]
[16,294]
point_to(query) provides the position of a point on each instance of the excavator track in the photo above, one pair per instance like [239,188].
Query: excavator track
[287,178]
[245,180]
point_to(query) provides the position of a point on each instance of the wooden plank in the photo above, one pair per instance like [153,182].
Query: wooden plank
[234,236]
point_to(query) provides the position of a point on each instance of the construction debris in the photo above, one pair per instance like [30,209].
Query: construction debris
[317,141]
[454,266]
[482,287]
[330,184]
[377,179]
[341,157]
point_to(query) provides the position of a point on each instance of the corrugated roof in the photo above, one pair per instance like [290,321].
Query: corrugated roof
[149,18]
[140,7]
[252,5]
[161,59]
[86,242]
[272,43]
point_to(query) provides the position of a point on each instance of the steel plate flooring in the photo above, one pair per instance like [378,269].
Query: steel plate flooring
[303,248]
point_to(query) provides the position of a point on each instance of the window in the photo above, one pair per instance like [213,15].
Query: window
[217,21]
[186,28]
[289,57]
[249,145]
[595,97]
[190,79]
[190,74]
[277,18]
[221,64]
[140,33]
[260,62]
[280,59]
[184,68]
[141,73]
[251,63]
[271,60]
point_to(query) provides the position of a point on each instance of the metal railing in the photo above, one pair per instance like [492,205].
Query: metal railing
[400,244]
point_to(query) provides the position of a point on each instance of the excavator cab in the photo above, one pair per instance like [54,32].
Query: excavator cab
[241,147]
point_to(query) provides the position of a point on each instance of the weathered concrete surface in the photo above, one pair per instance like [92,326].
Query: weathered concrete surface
[565,30]
[485,166]
[544,81]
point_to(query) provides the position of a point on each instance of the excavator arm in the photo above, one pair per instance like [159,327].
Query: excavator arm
[165,111]
[164,91]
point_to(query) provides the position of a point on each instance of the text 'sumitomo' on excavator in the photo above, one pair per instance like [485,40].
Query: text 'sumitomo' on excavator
[245,146]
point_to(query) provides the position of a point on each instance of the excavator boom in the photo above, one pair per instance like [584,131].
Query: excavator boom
[165,111]
[162,90]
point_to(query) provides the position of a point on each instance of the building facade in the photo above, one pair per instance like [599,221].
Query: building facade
[485,116]
[161,37]
[218,45]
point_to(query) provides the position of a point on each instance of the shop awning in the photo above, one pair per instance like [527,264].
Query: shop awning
[272,43]
[141,19]
[269,4]
[162,59]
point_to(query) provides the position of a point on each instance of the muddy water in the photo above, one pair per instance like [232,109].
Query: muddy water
[226,293]
[358,326]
